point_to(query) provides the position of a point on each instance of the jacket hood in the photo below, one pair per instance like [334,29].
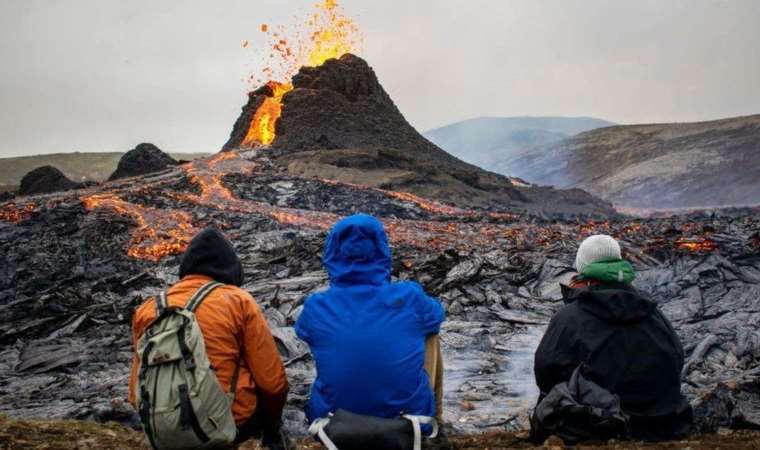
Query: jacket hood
[210,253]
[357,252]
[613,302]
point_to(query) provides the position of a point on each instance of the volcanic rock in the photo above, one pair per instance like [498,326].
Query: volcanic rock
[43,180]
[339,123]
[70,285]
[143,159]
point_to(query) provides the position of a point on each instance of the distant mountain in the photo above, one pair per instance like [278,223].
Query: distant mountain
[486,141]
[715,163]
[76,166]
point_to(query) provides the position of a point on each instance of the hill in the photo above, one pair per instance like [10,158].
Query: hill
[76,166]
[715,163]
[485,141]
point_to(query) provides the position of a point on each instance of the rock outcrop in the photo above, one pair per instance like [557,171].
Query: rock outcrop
[44,180]
[143,159]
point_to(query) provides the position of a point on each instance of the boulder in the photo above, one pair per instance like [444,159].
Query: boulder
[143,159]
[43,180]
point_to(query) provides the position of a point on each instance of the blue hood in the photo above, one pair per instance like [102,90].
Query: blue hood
[357,252]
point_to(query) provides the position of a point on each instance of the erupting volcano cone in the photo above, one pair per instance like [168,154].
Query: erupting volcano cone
[336,121]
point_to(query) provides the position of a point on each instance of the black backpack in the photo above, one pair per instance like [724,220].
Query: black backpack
[345,430]
[579,410]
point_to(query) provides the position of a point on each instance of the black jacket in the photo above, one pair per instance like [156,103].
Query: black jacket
[210,253]
[629,348]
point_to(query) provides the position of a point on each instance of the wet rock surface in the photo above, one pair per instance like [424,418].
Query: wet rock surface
[143,159]
[43,180]
[68,289]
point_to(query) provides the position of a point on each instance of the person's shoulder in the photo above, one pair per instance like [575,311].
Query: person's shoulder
[146,308]
[409,293]
[144,314]
[567,313]
[235,291]
[315,298]
[407,287]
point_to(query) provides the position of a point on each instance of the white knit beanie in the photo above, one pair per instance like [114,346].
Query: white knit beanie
[599,247]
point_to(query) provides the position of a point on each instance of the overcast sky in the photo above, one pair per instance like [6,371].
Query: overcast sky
[104,75]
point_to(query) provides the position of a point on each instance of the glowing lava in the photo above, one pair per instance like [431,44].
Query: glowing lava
[262,131]
[699,245]
[159,232]
[328,34]
[14,213]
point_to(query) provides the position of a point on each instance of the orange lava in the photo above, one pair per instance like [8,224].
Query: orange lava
[698,245]
[14,213]
[159,232]
[262,130]
[326,34]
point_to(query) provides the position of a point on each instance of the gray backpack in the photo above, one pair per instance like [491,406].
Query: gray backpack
[179,399]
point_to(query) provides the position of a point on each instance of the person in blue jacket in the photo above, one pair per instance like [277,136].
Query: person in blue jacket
[368,334]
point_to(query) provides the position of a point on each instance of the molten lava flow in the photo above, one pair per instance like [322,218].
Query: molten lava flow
[262,131]
[329,34]
[698,245]
[14,213]
[159,232]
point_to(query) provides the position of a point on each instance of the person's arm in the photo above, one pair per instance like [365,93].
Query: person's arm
[303,324]
[556,357]
[263,360]
[139,322]
[428,310]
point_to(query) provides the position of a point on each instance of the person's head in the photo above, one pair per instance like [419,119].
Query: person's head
[210,253]
[357,252]
[596,249]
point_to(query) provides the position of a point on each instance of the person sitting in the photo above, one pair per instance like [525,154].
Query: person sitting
[238,342]
[619,340]
[374,341]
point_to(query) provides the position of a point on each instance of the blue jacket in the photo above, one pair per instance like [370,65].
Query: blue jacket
[367,335]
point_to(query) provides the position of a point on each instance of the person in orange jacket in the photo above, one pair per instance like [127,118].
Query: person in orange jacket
[235,332]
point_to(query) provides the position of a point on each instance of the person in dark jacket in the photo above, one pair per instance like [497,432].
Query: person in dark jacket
[236,335]
[368,334]
[626,343]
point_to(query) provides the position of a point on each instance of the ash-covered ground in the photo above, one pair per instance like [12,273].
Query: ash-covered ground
[76,264]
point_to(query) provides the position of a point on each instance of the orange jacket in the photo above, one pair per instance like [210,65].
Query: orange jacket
[232,325]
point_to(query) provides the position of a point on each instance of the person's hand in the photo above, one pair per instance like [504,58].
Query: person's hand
[275,439]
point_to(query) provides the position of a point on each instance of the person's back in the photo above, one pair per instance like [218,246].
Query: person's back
[624,342]
[237,338]
[367,335]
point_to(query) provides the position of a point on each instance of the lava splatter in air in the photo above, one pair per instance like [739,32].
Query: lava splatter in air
[326,34]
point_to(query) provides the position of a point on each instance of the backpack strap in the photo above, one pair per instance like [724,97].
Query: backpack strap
[317,429]
[421,420]
[161,303]
[200,295]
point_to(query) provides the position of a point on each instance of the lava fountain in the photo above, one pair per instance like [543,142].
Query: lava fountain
[326,34]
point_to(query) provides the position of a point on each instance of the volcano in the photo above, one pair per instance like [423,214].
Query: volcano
[337,122]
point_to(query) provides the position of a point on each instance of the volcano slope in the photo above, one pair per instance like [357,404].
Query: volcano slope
[339,123]
[77,263]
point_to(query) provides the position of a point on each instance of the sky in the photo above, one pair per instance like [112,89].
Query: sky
[105,75]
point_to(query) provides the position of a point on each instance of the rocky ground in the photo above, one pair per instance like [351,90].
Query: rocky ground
[79,435]
[78,263]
